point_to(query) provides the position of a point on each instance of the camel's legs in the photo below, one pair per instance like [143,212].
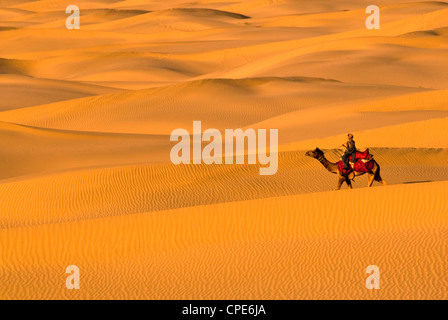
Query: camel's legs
[340,181]
[380,180]
[371,178]
[349,183]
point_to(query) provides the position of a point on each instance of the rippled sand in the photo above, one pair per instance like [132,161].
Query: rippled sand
[86,178]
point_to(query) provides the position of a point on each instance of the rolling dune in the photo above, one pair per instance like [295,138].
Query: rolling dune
[293,247]
[85,170]
[65,192]
[427,133]
[27,151]
[21,91]
[144,111]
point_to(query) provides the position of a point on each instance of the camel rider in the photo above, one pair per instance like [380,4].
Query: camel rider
[350,150]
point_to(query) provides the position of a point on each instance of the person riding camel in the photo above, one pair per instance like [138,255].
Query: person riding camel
[350,150]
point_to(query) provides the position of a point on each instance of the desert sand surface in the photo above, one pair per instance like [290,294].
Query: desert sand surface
[85,171]
[274,248]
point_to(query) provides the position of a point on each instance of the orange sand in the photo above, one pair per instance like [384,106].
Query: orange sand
[85,174]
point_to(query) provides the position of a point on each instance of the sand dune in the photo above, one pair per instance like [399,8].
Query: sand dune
[303,49]
[11,13]
[423,101]
[85,174]
[21,91]
[420,133]
[144,111]
[27,151]
[43,5]
[57,18]
[84,193]
[180,19]
[289,247]
[421,115]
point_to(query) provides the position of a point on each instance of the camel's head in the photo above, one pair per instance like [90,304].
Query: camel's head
[316,153]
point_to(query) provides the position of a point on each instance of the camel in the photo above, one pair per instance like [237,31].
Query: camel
[373,175]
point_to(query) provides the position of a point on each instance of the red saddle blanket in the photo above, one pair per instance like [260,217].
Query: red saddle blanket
[359,165]
[363,155]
